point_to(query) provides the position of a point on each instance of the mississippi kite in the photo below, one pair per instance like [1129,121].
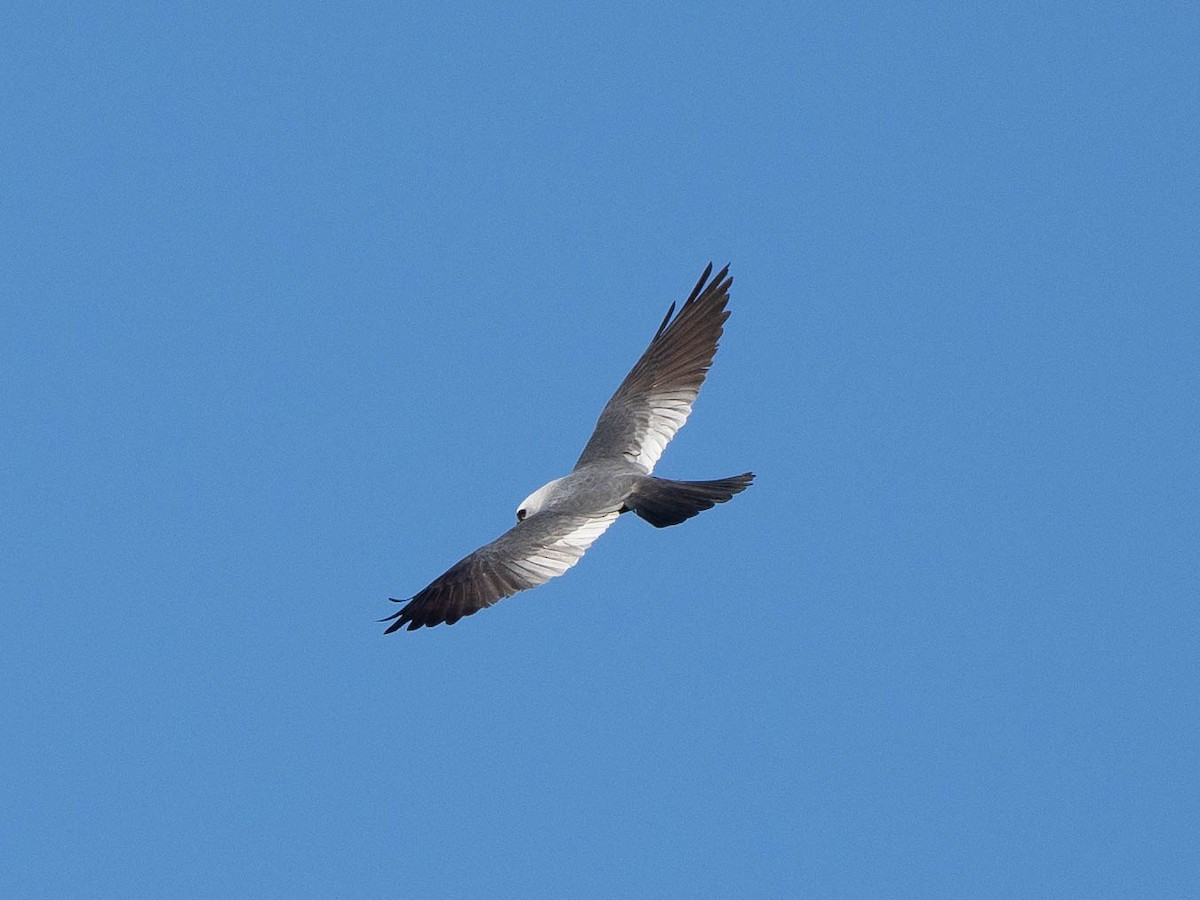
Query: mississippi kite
[559,521]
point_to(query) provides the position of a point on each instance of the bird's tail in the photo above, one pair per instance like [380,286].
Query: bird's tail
[663,502]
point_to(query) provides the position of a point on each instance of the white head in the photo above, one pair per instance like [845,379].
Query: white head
[535,501]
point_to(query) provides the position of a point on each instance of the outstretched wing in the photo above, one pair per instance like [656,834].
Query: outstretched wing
[533,552]
[656,397]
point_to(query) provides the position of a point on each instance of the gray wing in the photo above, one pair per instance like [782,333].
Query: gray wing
[656,397]
[536,550]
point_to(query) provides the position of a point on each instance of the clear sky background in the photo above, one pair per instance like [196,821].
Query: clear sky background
[300,300]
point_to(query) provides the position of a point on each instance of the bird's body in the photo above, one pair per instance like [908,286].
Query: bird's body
[559,521]
[594,488]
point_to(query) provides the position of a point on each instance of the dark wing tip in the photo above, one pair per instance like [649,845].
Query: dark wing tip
[715,288]
[721,284]
[445,601]
[398,612]
[666,321]
[398,615]
[411,615]
[700,284]
[704,287]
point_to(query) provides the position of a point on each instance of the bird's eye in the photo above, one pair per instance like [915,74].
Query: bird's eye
[520,515]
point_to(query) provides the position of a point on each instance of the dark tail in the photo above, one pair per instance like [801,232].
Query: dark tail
[662,502]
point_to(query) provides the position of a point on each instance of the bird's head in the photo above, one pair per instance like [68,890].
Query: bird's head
[535,501]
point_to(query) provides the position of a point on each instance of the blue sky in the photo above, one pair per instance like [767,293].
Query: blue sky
[301,300]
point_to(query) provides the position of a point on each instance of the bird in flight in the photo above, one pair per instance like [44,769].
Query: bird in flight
[559,521]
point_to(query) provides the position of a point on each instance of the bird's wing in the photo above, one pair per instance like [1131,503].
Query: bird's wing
[656,397]
[536,550]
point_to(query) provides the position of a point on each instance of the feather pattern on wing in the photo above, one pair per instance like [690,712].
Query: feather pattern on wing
[534,551]
[656,396]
